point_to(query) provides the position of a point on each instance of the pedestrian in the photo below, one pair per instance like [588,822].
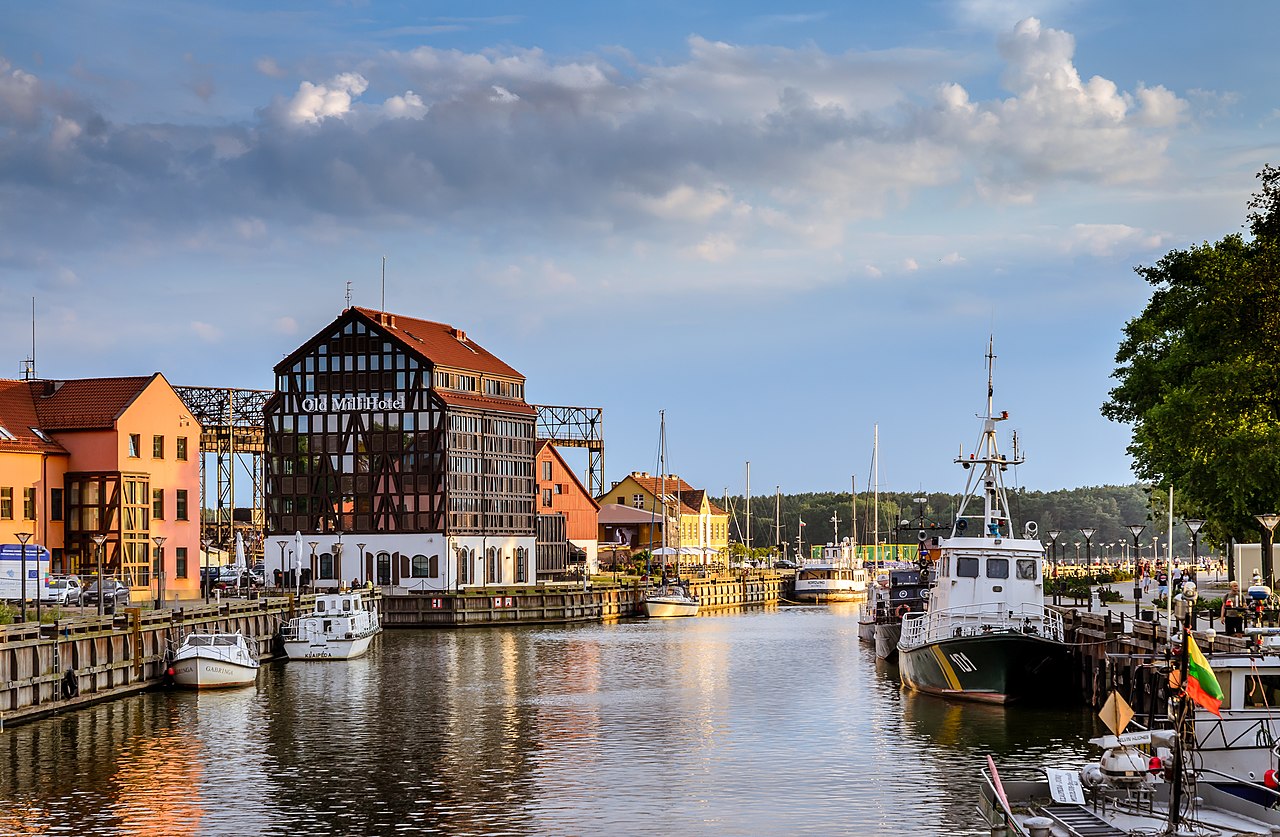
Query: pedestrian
[1232,615]
[1162,581]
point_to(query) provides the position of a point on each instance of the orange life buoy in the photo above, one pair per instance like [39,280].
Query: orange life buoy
[901,610]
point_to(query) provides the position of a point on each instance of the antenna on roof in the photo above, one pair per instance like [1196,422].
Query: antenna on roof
[384,283]
[348,293]
[29,365]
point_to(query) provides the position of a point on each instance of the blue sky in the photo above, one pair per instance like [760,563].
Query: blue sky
[783,225]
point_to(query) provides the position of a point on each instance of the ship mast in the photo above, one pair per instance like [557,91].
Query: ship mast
[987,464]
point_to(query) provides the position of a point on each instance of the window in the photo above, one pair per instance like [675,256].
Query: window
[157,447]
[384,568]
[997,568]
[546,471]
[135,445]
[1027,569]
[637,500]
[559,488]
[6,435]
[521,560]
[180,560]
[421,567]
[28,504]
[6,503]
[326,565]
[180,448]
[55,503]
[180,505]
[546,498]
[157,504]
[492,576]
[464,566]
[967,567]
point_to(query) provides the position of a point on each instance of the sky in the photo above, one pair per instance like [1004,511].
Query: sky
[787,226]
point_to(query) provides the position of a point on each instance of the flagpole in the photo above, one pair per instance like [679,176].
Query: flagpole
[1175,797]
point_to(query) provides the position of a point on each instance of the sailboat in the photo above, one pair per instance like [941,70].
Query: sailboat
[986,634]
[671,597]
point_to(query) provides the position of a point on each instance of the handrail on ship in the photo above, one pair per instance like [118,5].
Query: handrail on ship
[978,619]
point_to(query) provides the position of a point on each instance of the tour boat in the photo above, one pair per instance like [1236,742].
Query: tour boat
[340,627]
[897,591]
[986,634]
[213,661]
[832,577]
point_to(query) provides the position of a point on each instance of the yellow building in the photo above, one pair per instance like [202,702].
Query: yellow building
[695,524]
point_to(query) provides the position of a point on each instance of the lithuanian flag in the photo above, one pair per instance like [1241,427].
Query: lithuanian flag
[1202,686]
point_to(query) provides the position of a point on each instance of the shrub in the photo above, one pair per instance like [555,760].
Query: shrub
[1108,596]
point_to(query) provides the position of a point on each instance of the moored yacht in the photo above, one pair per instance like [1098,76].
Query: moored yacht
[339,627]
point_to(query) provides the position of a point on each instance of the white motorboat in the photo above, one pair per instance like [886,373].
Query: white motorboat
[340,627]
[670,600]
[213,661]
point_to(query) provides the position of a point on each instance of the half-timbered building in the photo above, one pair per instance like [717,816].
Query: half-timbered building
[399,452]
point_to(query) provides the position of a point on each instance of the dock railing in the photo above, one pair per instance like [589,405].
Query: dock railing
[978,619]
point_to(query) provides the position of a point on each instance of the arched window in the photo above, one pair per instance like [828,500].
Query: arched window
[384,568]
[464,566]
[326,565]
[521,554]
[421,567]
[491,576]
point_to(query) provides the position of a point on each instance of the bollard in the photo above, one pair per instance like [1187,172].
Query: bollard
[1137,596]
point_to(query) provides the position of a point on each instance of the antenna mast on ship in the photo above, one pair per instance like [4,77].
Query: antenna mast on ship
[995,503]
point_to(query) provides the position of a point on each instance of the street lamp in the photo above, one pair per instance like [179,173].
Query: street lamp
[1053,537]
[313,545]
[159,540]
[282,570]
[1268,522]
[99,540]
[337,560]
[1194,525]
[360,574]
[1088,533]
[23,537]
[1136,529]
[1076,544]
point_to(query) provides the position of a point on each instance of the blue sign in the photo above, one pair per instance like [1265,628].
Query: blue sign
[13,552]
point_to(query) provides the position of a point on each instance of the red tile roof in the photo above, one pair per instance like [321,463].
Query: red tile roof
[690,497]
[482,402]
[18,417]
[440,343]
[85,403]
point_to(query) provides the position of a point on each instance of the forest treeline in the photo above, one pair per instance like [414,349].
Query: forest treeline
[1109,509]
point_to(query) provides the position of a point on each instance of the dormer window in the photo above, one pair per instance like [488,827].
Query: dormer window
[40,434]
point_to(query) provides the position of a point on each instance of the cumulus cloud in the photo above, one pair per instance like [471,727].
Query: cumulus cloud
[286,325]
[206,332]
[724,154]
[314,102]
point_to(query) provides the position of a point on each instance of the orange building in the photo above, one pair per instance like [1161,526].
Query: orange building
[560,492]
[117,457]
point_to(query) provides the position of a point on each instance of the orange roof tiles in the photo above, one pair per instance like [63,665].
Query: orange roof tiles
[690,497]
[85,403]
[18,417]
[440,343]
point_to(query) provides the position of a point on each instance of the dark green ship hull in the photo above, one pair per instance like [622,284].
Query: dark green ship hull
[999,667]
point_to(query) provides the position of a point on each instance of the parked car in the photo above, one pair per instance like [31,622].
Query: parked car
[114,593]
[61,589]
[784,564]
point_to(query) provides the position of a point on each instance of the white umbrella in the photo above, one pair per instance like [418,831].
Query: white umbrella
[297,558]
[241,564]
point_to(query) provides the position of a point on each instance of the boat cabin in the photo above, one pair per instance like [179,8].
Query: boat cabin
[338,604]
[971,574]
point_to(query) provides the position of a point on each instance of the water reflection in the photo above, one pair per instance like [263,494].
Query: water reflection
[758,722]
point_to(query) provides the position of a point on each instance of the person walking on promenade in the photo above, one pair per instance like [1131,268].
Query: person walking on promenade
[1232,615]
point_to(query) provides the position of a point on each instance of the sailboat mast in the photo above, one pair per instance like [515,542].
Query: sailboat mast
[777,518]
[853,512]
[875,479]
[748,507]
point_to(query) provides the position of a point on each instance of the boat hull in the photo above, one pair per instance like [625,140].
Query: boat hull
[205,673]
[1000,667]
[664,608]
[829,595]
[887,635]
[328,648]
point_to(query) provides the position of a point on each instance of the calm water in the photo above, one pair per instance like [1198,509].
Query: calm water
[751,723]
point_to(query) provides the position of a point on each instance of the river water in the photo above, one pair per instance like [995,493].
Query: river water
[758,722]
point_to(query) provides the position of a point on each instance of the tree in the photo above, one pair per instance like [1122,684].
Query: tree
[1199,372]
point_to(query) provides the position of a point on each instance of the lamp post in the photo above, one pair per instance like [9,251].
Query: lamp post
[282,545]
[337,560]
[360,574]
[313,545]
[99,540]
[1194,525]
[1136,529]
[1076,560]
[1053,538]
[23,537]
[1088,532]
[159,540]
[1268,522]
[204,548]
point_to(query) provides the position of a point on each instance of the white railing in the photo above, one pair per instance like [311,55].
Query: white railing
[979,620]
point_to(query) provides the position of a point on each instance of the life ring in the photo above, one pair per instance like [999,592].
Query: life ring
[902,609]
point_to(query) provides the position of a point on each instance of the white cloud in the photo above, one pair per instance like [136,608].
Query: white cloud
[502,94]
[286,325]
[951,259]
[409,105]
[268,67]
[1105,240]
[314,102]
[910,265]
